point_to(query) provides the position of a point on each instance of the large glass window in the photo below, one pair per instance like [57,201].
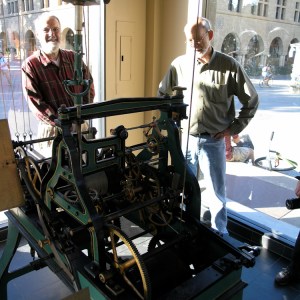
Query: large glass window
[18,40]
[256,42]
[256,33]
[257,39]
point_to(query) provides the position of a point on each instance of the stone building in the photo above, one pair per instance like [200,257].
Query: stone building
[17,24]
[258,32]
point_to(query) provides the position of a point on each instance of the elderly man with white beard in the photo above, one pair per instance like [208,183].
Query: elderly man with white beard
[43,74]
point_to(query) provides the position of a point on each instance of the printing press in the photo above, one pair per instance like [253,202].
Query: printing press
[75,210]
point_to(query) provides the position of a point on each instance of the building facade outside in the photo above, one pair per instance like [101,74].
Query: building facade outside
[257,33]
[17,25]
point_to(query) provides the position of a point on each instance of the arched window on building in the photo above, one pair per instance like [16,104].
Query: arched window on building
[16,42]
[275,52]
[30,43]
[3,41]
[70,39]
[276,47]
[255,50]
[229,45]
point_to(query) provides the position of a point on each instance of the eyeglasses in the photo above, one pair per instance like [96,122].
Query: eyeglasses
[197,41]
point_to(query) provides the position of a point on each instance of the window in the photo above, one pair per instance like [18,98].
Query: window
[234,5]
[16,7]
[27,5]
[276,48]
[280,9]
[260,9]
[70,40]
[256,40]
[297,12]
[230,46]
[12,7]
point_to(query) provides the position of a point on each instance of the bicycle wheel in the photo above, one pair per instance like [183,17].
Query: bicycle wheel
[276,163]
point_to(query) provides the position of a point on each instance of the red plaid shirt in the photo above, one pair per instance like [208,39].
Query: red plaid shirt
[43,84]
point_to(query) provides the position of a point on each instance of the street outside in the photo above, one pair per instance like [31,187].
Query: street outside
[278,112]
[263,190]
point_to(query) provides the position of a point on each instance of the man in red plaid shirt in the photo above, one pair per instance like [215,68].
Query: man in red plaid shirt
[43,74]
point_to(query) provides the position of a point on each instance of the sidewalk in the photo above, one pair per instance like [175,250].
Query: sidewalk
[260,195]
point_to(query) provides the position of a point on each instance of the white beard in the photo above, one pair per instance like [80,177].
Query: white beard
[198,54]
[202,52]
[50,47]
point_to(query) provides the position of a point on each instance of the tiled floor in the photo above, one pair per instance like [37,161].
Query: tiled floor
[43,284]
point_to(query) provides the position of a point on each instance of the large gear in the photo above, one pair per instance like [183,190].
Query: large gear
[127,267]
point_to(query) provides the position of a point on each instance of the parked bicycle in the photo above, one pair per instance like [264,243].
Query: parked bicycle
[274,161]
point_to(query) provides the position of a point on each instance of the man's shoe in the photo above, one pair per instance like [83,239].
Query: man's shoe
[285,277]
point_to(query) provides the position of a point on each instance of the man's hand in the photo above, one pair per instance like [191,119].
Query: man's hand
[222,134]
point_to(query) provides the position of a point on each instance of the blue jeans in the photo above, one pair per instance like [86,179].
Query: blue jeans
[208,153]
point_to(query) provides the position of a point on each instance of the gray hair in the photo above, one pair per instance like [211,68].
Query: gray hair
[42,18]
[200,22]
